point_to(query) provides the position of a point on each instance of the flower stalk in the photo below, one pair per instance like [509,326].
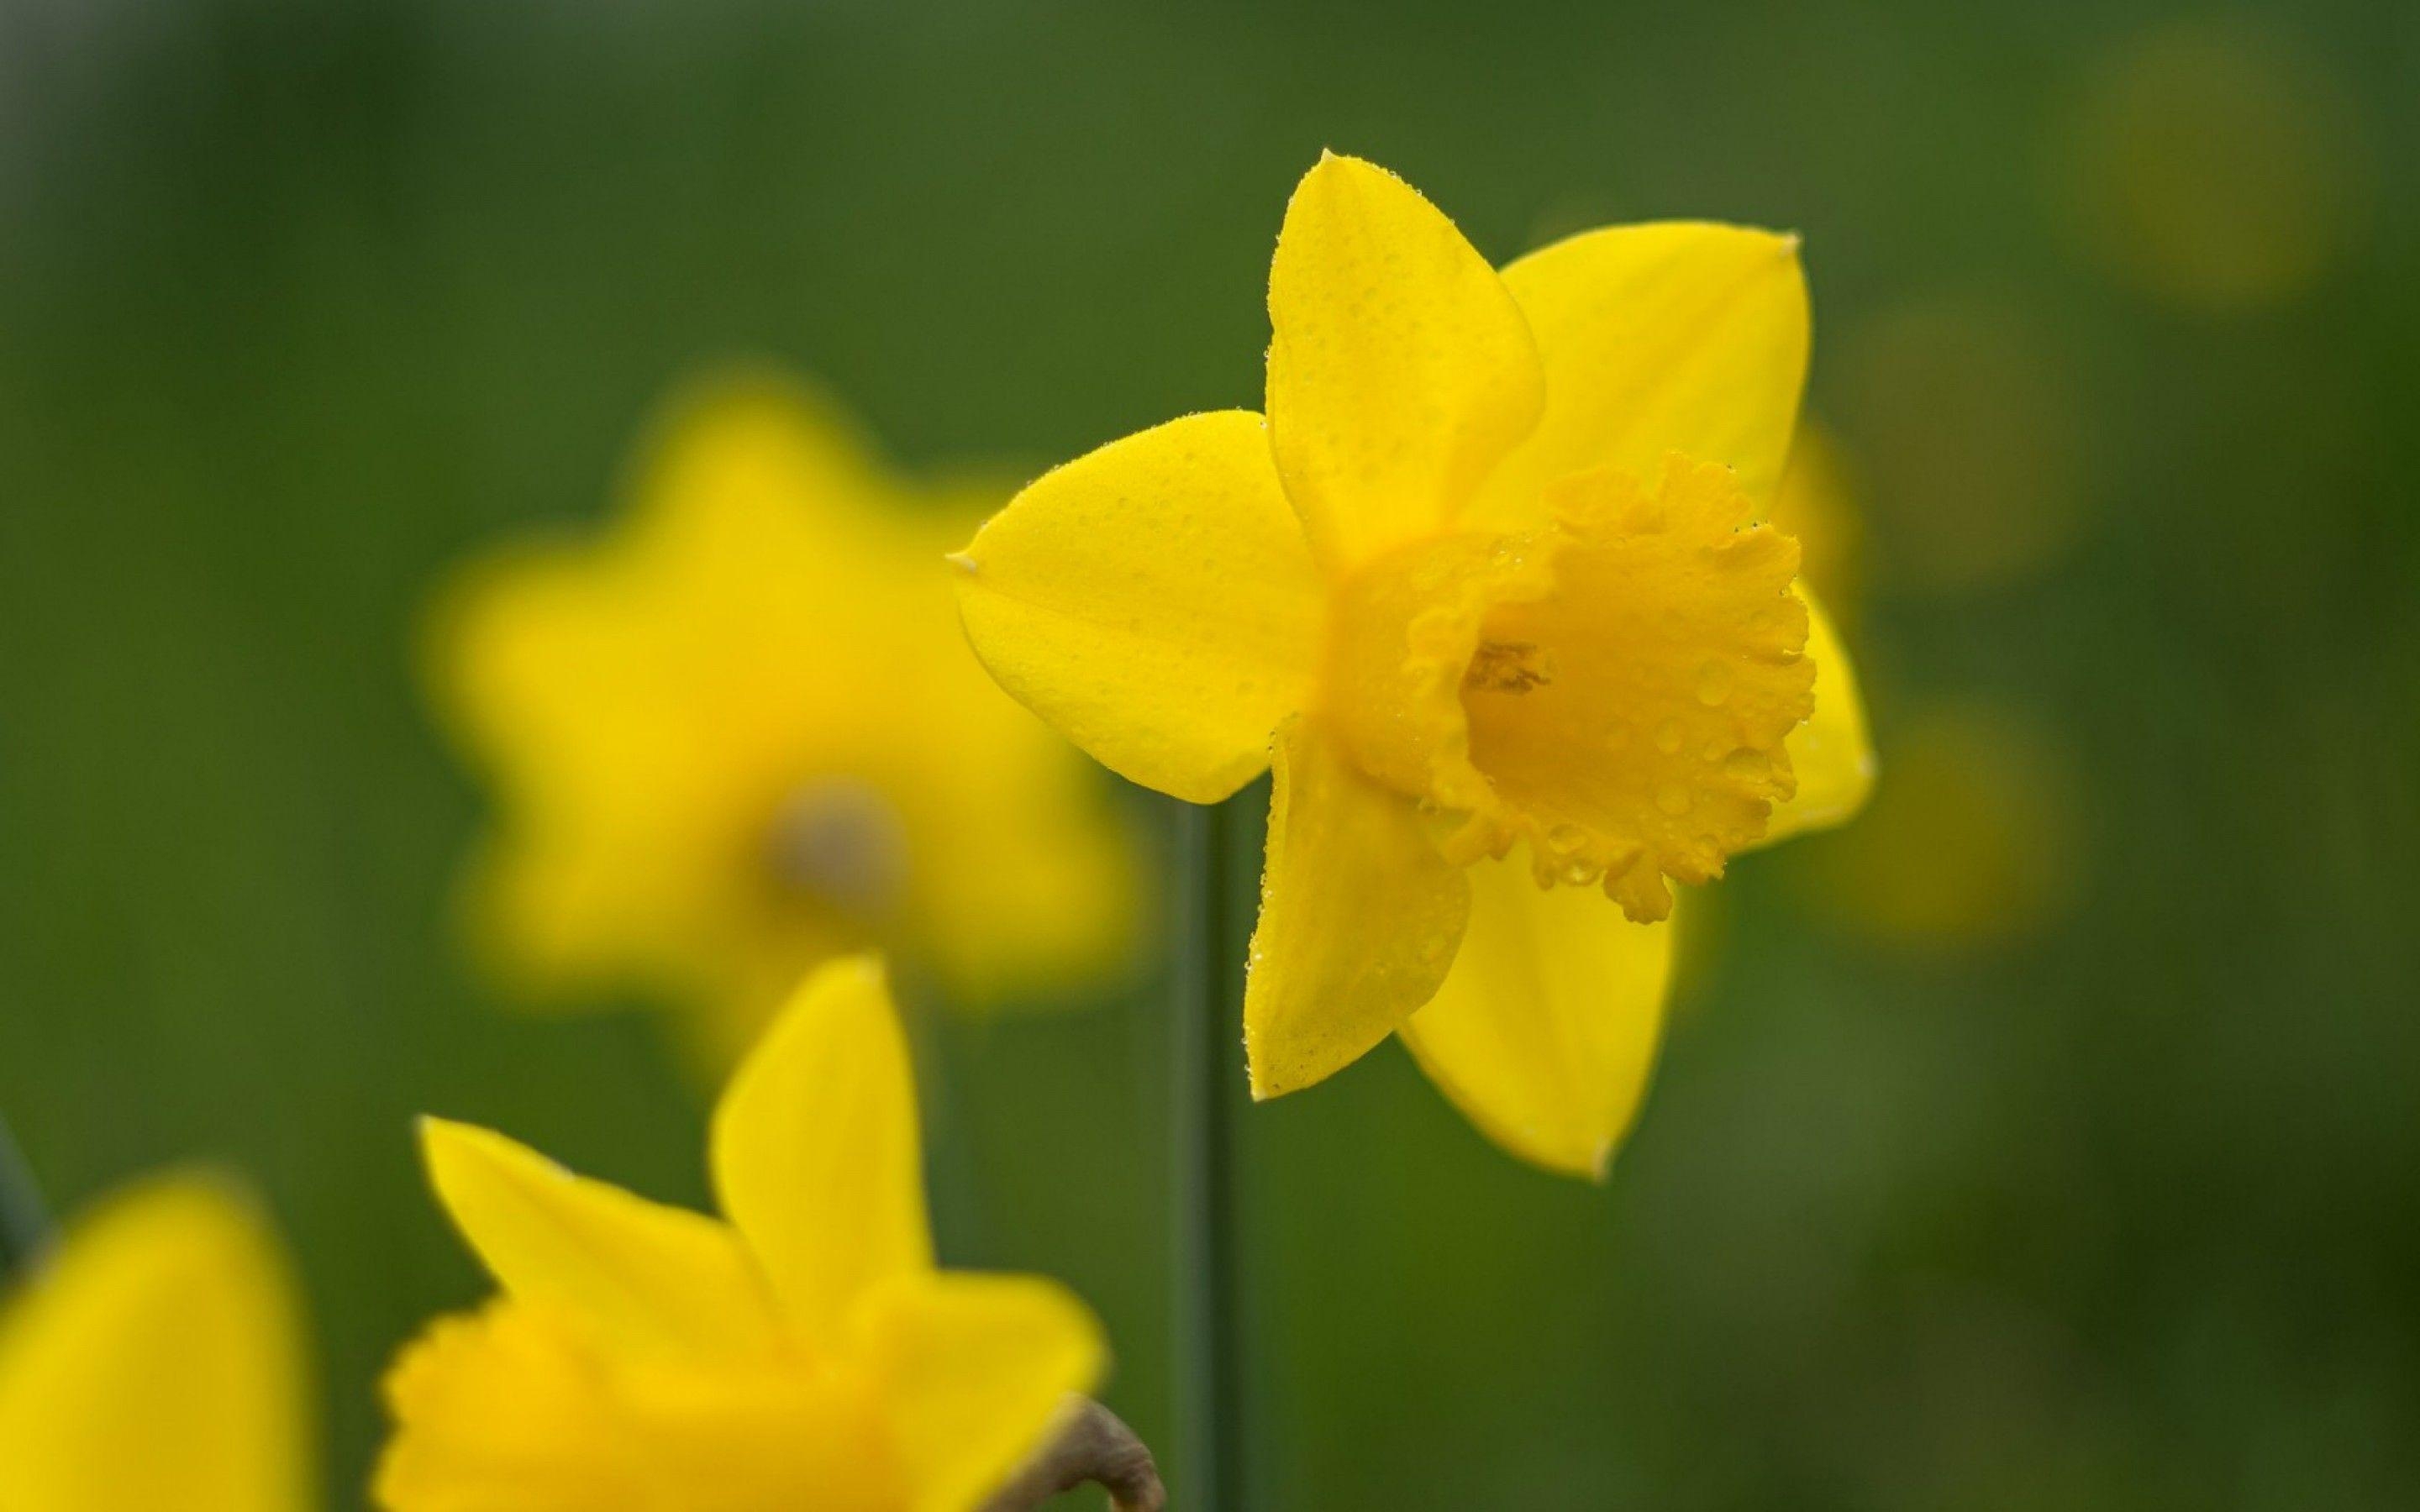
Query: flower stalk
[25,1220]
[1202,1101]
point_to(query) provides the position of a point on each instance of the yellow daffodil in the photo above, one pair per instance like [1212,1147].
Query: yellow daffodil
[741,735]
[805,1354]
[154,1363]
[1482,579]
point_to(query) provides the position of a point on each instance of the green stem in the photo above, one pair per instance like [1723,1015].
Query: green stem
[25,1222]
[1206,1033]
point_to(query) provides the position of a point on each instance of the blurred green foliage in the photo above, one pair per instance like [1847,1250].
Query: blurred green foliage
[299,304]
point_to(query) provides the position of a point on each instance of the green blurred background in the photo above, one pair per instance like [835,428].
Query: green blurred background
[2047,1139]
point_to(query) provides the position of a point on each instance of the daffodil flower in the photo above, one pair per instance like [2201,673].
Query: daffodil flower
[739,734]
[1480,583]
[804,1353]
[155,1361]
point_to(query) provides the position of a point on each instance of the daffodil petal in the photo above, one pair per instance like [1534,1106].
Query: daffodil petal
[1672,336]
[976,1370]
[1154,600]
[768,557]
[509,1410]
[1400,367]
[1546,1028]
[1045,888]
[739,461]
[1360,915]
[816,1153]
[156,1362]
[1831,754]
[653,1277]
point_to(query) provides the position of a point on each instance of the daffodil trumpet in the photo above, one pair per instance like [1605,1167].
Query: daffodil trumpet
[1489,590]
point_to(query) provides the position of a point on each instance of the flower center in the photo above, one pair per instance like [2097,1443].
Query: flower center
[1614,689]
[839,840]
[1506,666]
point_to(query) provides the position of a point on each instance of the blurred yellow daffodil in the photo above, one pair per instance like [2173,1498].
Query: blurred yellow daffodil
[1482,578]
[155,1361]
[741,735]
[1978,842]
[805,1354]
[2216,163]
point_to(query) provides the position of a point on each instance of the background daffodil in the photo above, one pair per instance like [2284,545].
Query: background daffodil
[739,734]
[1482,581]
[805,1352]
[154,1361]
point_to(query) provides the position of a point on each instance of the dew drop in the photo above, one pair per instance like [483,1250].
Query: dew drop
[1579,873]
[1565,838]
[1714,682]
[1668,737]
[1747,764]
[1673,799]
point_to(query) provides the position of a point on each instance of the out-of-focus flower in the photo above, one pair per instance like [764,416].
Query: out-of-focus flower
[1977,840]
[2213,166]
[741,733]
[804,1353]
[1485,572]
[155,1362]
[1970,436]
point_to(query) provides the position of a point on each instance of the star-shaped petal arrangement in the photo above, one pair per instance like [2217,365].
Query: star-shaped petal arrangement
[1484,585]
[738,733]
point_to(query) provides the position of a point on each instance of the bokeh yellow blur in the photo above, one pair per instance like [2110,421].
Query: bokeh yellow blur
[739,736]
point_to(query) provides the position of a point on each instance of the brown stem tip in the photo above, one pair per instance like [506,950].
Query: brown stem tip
[1089,1444]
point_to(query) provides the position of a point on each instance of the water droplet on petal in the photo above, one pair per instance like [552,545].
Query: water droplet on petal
[1673,799]
[1714,682]
[1668,737]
